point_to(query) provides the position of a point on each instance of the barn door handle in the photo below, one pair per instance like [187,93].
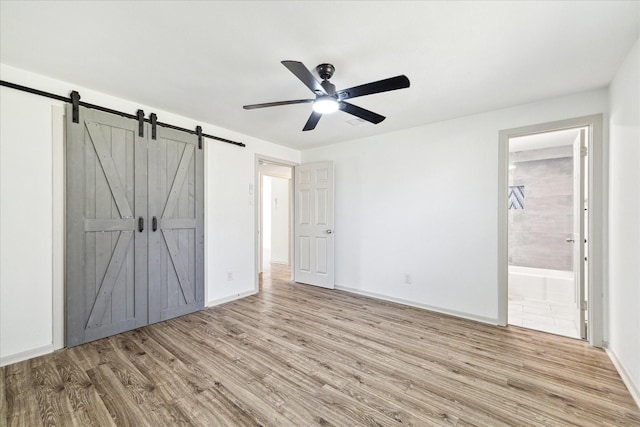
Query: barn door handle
[154,223]
[140,224]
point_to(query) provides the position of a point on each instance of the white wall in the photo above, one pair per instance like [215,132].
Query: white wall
[266,215]
[26,249]
[423,202]
[26,281]
[279,220]
[231,214]
[624,221]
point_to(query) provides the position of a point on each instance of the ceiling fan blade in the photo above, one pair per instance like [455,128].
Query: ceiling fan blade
[392,83]
[305,76]
[314,118]
[367,115]
[275,104]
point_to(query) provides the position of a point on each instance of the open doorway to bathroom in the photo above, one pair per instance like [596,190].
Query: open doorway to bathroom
[547,213]
[275,208]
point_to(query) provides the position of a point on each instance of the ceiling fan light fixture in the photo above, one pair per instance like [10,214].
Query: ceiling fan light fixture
[326,105]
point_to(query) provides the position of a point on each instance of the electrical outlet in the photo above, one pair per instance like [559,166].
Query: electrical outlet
[407,279]
[229,276]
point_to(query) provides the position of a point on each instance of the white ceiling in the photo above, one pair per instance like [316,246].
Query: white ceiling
[205,60]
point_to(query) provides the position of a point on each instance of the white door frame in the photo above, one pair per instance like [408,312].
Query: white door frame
[58,150]
[578,246]
[258,212]
[597,214]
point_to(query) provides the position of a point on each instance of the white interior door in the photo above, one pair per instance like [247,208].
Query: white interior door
[313,232]
[579,151]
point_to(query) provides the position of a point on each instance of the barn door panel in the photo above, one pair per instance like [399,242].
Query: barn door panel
[106,269]
[176,239]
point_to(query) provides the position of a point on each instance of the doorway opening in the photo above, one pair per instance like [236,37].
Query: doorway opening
[586,239]
[546,234]
[275,207]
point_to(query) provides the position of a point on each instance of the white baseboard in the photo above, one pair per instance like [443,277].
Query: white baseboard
[25,355]
[633,388]
[230,298]
[383,297]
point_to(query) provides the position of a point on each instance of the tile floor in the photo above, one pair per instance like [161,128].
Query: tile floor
[543,315]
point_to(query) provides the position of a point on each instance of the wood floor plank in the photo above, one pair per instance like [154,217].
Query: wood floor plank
[199,395]
[123,409]
[297,355]
[86,405]
[21,403]
[227,378]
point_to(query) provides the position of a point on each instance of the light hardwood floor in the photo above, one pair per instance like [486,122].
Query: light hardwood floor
[299,355]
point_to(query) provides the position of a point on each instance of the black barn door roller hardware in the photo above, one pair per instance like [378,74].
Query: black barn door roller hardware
[74,100]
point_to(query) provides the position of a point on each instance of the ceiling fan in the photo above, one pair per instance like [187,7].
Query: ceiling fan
[328,100]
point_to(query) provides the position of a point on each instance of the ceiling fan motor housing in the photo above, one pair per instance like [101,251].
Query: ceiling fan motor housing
[325,71]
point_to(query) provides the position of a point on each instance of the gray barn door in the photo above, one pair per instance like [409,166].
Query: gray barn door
[106,270]
[135,226]
[176,242]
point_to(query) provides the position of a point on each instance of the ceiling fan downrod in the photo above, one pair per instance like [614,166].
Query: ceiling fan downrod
[325,71]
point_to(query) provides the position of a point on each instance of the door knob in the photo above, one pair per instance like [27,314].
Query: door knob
[329,231]
[569,240]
